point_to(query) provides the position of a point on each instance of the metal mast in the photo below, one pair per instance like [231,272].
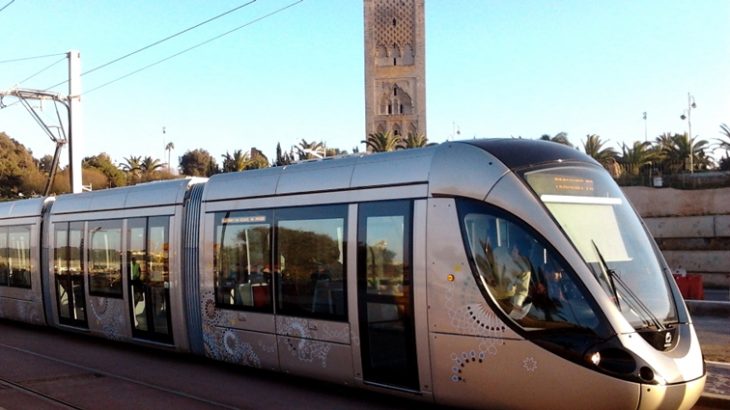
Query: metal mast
[72,102]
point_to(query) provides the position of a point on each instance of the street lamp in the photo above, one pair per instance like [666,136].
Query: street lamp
[688,116]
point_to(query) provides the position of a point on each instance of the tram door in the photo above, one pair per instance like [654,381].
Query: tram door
[149,278]
[385,294]
[69,273]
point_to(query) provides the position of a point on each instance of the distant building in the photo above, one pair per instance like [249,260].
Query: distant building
[395,70]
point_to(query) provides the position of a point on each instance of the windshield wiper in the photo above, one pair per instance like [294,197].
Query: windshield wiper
[632,299]
[608,274]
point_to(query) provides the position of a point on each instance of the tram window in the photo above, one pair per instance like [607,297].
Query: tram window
[311,256]
[68,271]
[15,256]
[105,258]
[4,257]
[158,249]
[524,276]
[242,260]
[19,256]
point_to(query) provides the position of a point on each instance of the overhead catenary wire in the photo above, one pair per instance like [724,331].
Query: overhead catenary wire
[256,20]
[42,70]
[6,6]
[15,60]
[139,50]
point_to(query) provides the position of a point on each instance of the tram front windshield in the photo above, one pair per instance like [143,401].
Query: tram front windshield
[593,212]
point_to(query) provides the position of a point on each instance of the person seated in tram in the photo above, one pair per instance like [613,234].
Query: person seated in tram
[510,281]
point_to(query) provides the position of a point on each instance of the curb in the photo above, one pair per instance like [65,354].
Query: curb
[715,400]
[712,400]
[704,307]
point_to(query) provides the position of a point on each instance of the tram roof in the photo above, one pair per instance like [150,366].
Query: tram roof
[464,168]
[158,193]
[23,208]
[519,153]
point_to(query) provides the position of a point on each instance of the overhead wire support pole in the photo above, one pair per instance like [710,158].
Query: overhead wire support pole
[72,102]
[75,128]
[24,95]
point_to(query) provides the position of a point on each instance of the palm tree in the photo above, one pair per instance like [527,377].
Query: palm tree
[383,142]
[725,131]
[560,138]
[310,150]
[415,141]
[593,146]
[169,147]
[149,166]
[236,162]
[132,167]
[635,157]
[677,150]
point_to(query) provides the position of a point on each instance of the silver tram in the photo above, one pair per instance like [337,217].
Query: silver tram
[486,274]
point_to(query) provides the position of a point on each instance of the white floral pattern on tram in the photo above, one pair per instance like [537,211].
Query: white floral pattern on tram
[300,344]
[107,318]
[530,364]
[460,361]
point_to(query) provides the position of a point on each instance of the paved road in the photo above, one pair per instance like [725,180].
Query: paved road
[47,369]
[720,295]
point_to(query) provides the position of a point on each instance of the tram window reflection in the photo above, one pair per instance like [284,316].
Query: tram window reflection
[311,245]
[19,256]
[242,260]
[105,258]
[15,256]
[524,277]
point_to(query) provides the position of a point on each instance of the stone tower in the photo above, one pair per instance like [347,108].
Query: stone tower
[395,70]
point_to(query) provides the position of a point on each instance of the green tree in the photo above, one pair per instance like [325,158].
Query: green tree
[19,175]
[334,152]
[310,150]
[560,138]
[634,158]
[594,147]
[257,160]
[236,162]
[102,162]
[606,156]
[151,169]
[724,142]
[199,163]
[45,164]
[132,166]
[169,147]
[674,153]
[383,142]
[415,141]
[282,158]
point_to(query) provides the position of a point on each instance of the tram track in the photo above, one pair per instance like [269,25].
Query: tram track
[91,372]
[37,394]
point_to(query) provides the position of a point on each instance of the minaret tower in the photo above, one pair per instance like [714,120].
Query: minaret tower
[395,70]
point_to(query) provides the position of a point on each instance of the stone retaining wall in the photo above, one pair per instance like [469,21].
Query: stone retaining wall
[692,227]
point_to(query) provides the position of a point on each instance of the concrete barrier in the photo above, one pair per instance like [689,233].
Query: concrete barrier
[708,308]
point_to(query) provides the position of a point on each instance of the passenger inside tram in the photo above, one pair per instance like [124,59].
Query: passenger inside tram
[511,275]
[524,277]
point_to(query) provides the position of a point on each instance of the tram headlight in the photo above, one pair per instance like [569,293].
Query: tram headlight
[595,358]
[614,360]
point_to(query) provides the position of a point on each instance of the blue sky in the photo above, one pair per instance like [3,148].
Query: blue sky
[493,69]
